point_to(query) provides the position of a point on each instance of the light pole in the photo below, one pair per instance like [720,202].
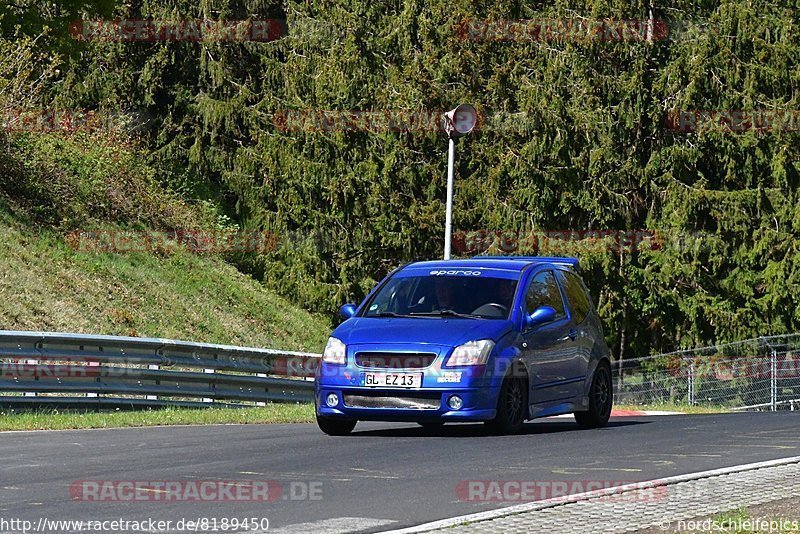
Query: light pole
[456,123]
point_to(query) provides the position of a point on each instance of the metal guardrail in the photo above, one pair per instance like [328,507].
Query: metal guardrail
[46,368]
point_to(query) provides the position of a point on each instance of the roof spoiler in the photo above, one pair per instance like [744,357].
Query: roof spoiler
[558,260]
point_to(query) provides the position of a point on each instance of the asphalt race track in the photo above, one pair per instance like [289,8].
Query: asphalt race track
[383,476]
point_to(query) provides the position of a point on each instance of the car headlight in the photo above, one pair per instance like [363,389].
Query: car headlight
[471,353]
[334,352]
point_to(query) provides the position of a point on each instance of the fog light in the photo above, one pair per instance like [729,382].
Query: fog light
[332,400]
[455,402]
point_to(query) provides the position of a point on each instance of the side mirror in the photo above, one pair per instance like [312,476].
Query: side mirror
[349,310]
[541,315]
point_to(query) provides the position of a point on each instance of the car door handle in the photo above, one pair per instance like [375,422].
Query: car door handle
[573,335]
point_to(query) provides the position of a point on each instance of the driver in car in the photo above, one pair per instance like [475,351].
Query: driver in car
[445,297]
[442,296]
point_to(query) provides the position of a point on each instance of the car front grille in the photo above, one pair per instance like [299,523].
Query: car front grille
[408,402]
[395,360]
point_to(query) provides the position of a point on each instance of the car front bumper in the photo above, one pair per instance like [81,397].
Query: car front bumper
[390,404]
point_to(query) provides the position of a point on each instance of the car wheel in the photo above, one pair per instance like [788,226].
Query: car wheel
[601,398]
[336,427]
[512,406]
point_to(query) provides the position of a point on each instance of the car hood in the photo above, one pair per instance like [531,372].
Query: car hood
[437,331]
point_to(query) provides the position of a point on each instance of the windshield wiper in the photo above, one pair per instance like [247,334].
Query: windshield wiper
[390,314]
[448,313]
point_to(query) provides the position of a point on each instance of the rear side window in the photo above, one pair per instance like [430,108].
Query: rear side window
[543,291]
[578,300]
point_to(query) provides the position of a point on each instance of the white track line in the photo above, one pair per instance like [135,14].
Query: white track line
[624,413]
[337,525]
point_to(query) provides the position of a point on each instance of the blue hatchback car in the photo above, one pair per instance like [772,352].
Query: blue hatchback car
[494,339]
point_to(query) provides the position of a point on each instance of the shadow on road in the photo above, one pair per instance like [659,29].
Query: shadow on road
[465,430]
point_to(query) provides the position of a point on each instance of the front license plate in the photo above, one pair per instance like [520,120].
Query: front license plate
[393,380]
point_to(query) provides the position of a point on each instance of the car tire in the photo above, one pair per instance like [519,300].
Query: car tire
[601,398]
[336,427]
[512,406]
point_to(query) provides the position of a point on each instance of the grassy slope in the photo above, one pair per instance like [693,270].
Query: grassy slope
[54,184]
[45,285]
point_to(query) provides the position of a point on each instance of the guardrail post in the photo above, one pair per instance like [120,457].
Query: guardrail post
[31,393]
[691,384]
[153,368]
[773,380]
[92,364]
[261,375]
[208,371]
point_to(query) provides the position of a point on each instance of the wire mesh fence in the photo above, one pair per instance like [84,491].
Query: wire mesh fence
[756,374]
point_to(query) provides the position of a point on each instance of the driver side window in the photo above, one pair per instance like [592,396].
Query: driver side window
[394,298]
[543,291]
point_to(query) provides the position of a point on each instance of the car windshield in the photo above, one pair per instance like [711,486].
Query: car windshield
[444,296]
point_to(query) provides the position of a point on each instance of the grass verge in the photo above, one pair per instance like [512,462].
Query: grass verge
[65,420]
[682,408]
[782,516]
